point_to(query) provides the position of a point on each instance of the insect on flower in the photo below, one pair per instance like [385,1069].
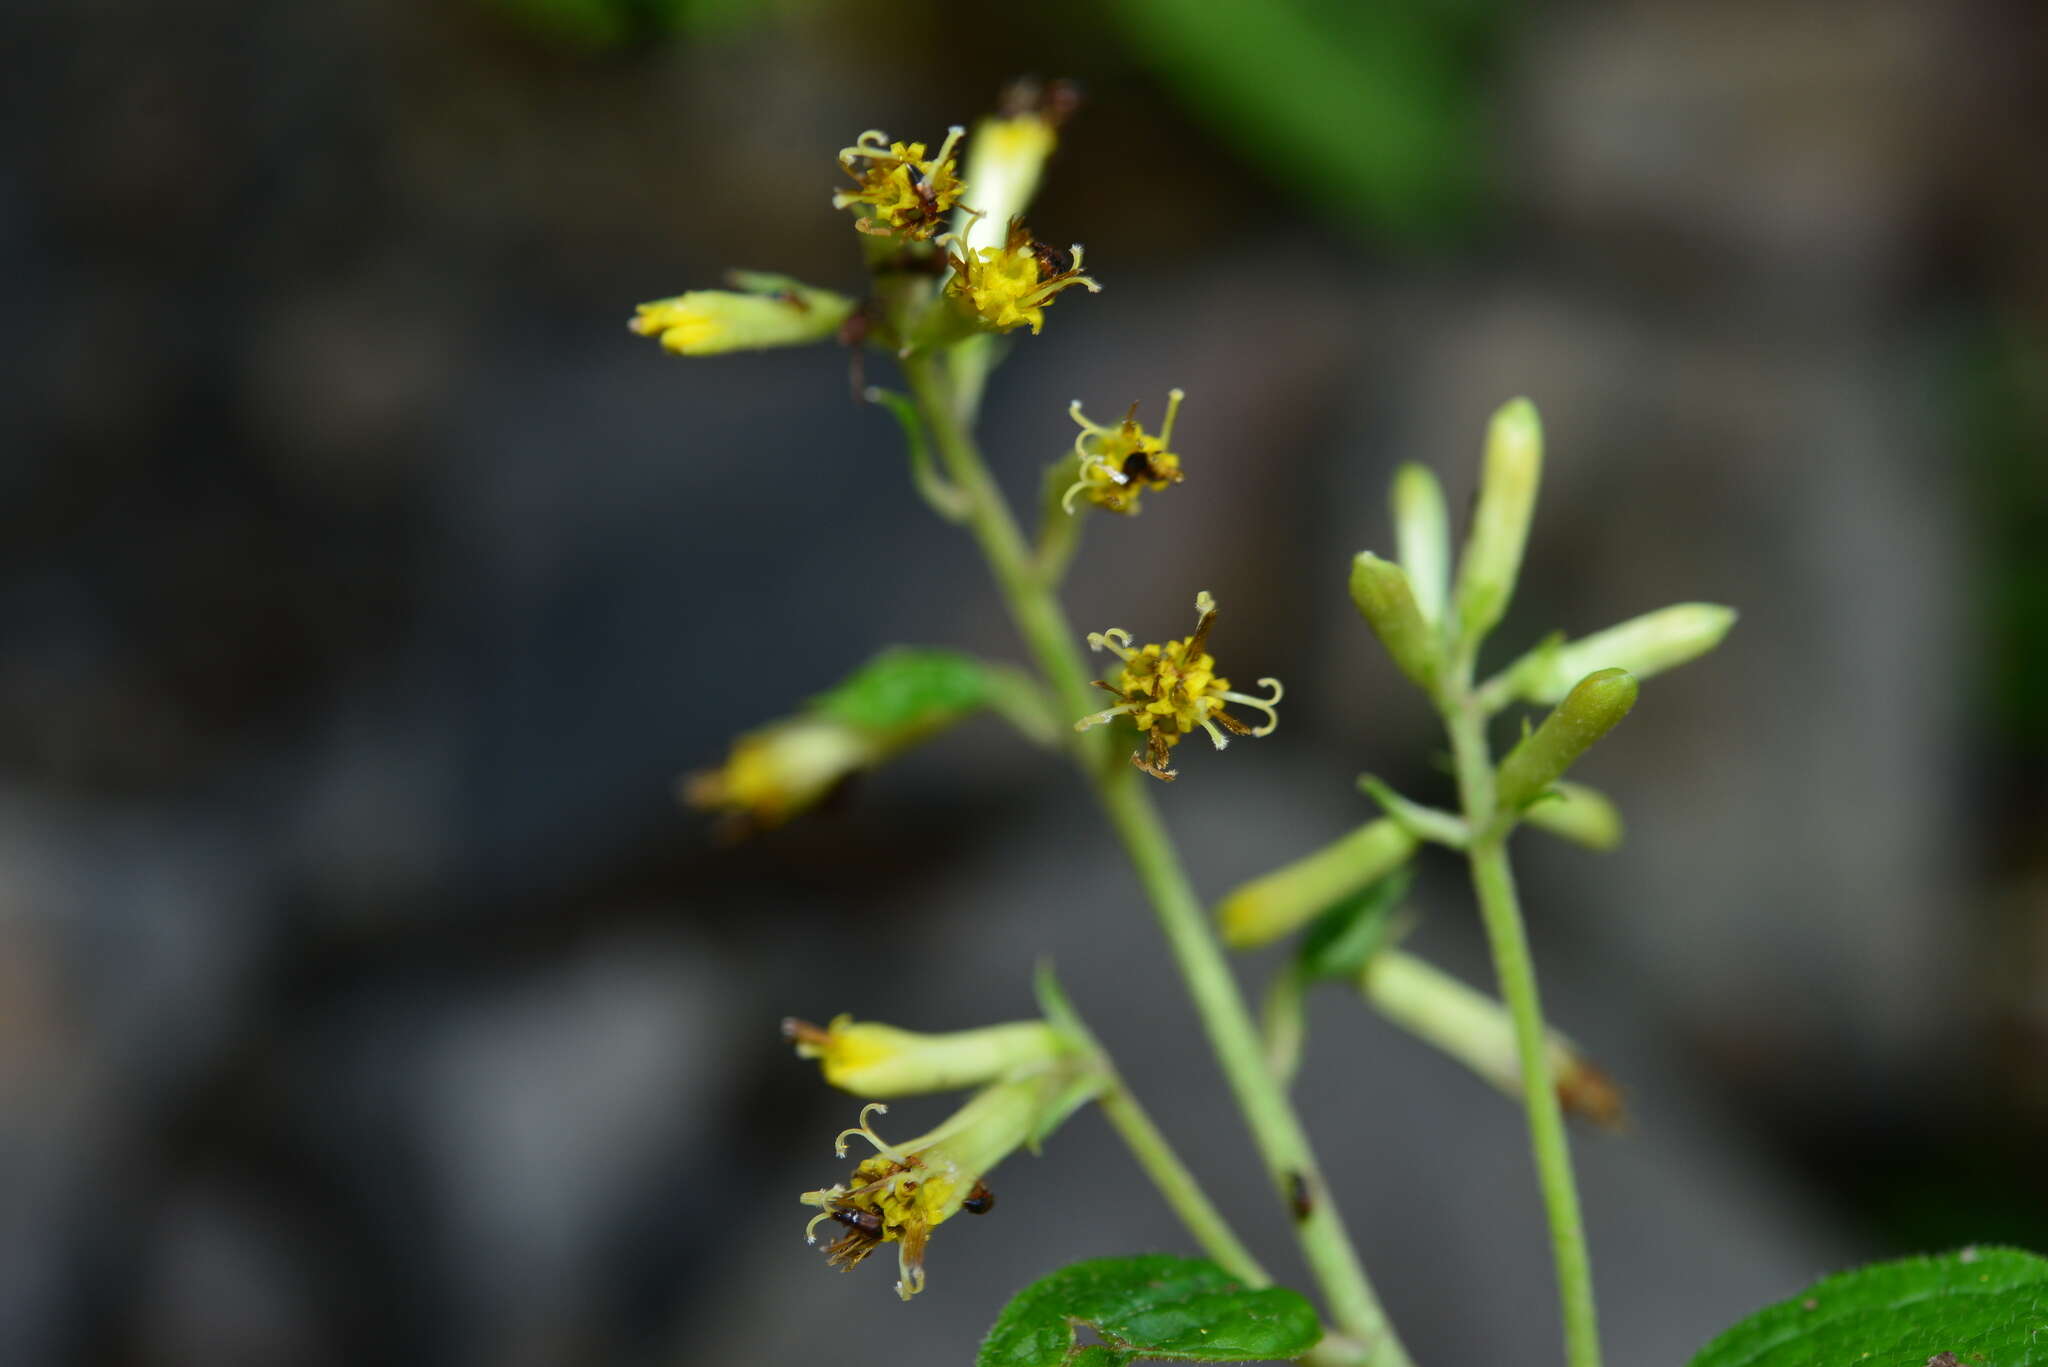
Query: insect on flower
[1119,463]
[1168,690]
[1009,286]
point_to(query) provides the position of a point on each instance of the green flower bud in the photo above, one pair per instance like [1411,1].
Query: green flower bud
[1500,523]
[1476,1030]
[1587,713]
[1422,536]
[1645,645]
[1579,814]
[1267,908]
[774,311]
[1387,602]
[879,1060]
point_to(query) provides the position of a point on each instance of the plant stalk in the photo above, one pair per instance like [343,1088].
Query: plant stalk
[1493,882]
[1290,1162]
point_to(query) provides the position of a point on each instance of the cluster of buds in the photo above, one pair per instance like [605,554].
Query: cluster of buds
[1432,627]
[1031,1077]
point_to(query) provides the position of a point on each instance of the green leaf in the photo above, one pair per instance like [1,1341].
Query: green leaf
[1351,932]
[907,689]
[1980,1307]
[1153,1307]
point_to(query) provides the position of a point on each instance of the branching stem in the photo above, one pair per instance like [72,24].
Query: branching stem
[1290,1163]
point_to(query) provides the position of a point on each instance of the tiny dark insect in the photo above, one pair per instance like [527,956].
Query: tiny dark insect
[980,1201]
[1299,1198]
[1052,261]
[860,1221]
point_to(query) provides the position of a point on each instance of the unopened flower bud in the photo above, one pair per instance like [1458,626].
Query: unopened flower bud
[1577,813]
[1500,523]
[1476,1030]
[773,311]
[1387,602]
[1422,537]
[1587,713]
[875,1060]
[1267,908]
[1645,645]
[778,771]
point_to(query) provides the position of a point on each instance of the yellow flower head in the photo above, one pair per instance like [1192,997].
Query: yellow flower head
[1168,690]
[908,192]
[1119,463]
[1009,286]
[905,1191]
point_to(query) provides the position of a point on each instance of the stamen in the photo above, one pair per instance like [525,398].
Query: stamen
[1265,705]
[1173,398]
[1116,641]
[1205,603]
[1103,717]
[882,1146]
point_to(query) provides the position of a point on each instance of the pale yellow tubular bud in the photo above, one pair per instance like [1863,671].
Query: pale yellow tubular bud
[1386,600]
[1267,908]
[778,771]
[1508,481]
[708,322]
[1587,713]
[1645,645]
[1476,1030]
[874,1060]
[1422,538]
[1579,814]
[1005,160]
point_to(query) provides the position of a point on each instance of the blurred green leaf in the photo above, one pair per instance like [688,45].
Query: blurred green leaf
[1153,1307]
[1985,1307]
[1371,110]
[907,688]
[1352,931]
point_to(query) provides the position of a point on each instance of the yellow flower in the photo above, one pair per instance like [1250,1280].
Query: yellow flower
[771,311]
[906,1190]
[1168,690]
[881,1060]
[1009,286]
[1119,463]
[909,192]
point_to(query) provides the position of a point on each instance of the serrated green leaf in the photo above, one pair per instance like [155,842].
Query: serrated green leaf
[907,689]
[1351,932]
[1984,1307]
[1154,1307]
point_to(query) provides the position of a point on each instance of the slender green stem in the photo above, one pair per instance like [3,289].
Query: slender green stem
[1494,883]
[1290,1163]
[1179,1186]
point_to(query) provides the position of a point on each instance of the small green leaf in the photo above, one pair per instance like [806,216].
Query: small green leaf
[907,689]
[1348,934]
[1154,1307]
[1985,1307]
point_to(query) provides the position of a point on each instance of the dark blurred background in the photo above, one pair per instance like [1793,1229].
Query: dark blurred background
[364,996]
